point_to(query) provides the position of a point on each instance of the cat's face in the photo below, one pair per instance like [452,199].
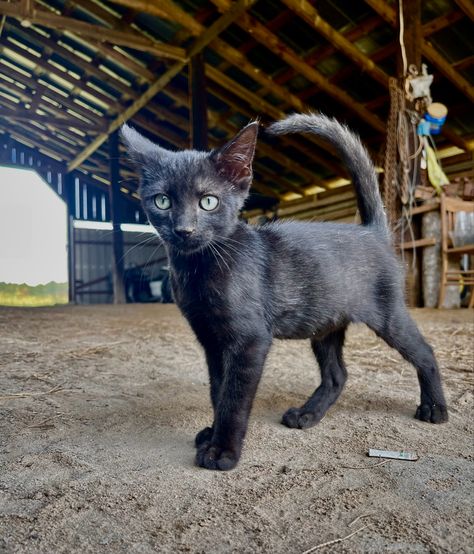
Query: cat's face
[193,198]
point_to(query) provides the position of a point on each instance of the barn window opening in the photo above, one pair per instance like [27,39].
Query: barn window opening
[33,241]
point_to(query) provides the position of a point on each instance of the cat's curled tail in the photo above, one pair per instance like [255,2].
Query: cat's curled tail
[354,155]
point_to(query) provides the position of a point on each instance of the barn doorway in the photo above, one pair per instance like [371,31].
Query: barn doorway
[33,241]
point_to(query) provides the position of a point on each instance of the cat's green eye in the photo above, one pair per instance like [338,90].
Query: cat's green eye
[162,202]
[209,202]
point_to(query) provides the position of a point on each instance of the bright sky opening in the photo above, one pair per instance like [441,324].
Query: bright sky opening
[33,230]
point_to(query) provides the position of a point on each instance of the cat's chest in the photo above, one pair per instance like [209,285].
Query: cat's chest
[200,294]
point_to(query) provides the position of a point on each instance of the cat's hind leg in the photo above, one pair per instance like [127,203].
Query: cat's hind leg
[400,332]
[328,352]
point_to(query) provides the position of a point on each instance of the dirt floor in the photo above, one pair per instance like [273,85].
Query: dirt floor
[98,411]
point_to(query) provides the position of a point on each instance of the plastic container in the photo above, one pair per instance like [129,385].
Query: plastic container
[436,116]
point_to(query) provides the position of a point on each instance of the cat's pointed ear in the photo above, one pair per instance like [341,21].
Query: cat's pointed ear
[234,159]
[139,148]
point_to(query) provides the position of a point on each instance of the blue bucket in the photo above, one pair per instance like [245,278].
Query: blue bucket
[435,123]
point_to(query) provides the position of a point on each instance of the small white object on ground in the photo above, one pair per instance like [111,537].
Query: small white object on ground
[393,454]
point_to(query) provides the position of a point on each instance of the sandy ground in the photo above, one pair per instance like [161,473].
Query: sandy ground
[99,407]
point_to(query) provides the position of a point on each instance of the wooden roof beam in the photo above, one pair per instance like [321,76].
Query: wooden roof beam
[48,121]
[47,68]
[312,179]
[166,10]
[271,41]
[52,112]
[37,137]
[310,15]
[91,68]
[345,43]
[448,70]
[439,23]
[35,88]
[321,54]
[464,63]
[201,42]
[174,13]
[82,28]
[467,7]
[145,6]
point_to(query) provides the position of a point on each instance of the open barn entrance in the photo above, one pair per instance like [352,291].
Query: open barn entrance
[33,239]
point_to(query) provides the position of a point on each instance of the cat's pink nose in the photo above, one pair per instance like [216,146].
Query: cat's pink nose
[184,232]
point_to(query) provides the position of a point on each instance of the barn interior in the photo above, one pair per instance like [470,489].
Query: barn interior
[100,403]
[191,74]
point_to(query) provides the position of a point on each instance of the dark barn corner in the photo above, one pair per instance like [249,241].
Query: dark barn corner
[100,401]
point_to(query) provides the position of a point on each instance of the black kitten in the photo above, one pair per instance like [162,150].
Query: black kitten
[239,286]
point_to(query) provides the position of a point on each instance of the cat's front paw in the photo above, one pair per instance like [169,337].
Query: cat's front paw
[212,456]
[297,418]
[433,413]
[204,435]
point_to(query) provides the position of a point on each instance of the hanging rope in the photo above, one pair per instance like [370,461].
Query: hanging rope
[390,184]
[401,37]
[400,168]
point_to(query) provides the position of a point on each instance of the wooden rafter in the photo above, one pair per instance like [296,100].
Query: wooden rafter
[227,52]
[29,88]
[177,142]
[271,41]
[88,67]
[467,7]
[82,28]
[45,69]
[28,115]
[310,14]
[201,42]
[86,57]
[376,57]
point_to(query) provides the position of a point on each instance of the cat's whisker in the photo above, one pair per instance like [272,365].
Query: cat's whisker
[141,243]
[220,257]
[215,245]
[213,251]
[224,252]
[147,263]
[230,239]
[225,246]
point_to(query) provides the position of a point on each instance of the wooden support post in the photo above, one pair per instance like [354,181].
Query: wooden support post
[412,36]
[198,96]
[412,39]
[118,269]
[70,197]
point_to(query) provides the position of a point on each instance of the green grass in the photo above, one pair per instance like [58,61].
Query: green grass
[23,295]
